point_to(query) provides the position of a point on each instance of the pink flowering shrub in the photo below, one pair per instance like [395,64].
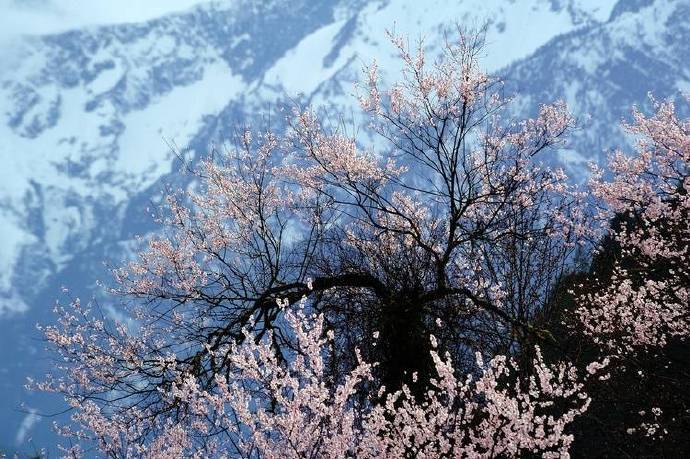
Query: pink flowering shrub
[648,301]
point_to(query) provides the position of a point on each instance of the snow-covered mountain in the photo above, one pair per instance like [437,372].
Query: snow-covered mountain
[88,117]
[605,69]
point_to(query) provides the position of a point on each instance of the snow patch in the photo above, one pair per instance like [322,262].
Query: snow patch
[25,427]
[175,118]
[105,80]
[308,56]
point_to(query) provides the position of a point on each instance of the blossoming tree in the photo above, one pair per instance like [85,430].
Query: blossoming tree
[633,304]
[414,263]
[648,300]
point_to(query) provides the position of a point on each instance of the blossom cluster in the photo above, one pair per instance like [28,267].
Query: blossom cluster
[265,408]
[647,302]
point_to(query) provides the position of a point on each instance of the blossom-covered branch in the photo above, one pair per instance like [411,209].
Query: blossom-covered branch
[648,300]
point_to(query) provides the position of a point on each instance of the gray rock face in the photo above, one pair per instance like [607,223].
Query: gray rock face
[87,118]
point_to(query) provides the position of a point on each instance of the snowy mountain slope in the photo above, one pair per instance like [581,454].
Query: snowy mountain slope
[333,55]
[605,69]
[85,116]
